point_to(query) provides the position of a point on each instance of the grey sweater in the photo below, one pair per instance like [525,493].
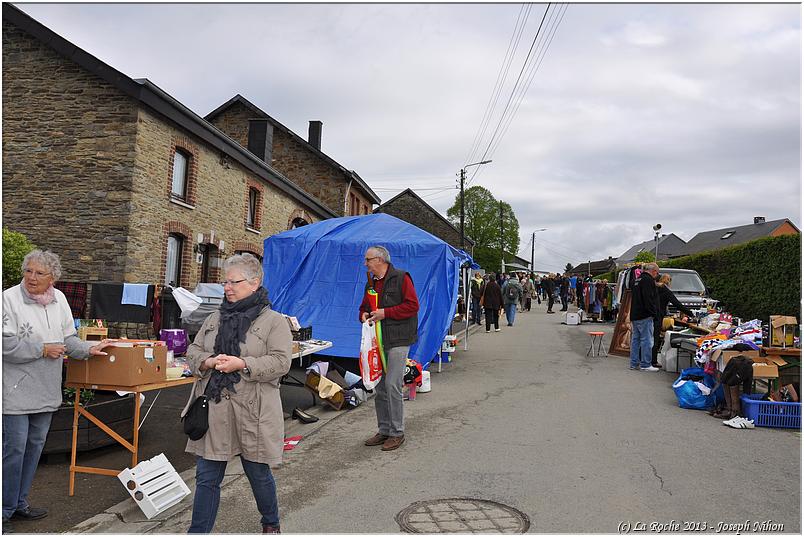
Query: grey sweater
[31,382]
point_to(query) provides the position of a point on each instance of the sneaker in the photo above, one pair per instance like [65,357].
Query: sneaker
[633,368]
[488,331]
[496,329]
[29,513]
[651,368]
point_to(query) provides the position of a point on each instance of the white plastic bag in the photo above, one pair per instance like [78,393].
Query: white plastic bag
[370,360]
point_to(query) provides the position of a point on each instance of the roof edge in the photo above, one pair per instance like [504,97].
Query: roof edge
[408,190]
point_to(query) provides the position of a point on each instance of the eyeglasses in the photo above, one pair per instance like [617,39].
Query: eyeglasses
[37,273]
[370,258]
[232,282]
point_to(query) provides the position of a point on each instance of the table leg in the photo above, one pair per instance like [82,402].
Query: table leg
[136,439]
[75,439]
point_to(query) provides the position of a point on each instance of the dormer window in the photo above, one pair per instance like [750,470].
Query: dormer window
[727,235]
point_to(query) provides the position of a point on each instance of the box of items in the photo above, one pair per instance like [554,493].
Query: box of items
[127,363]
[782,330]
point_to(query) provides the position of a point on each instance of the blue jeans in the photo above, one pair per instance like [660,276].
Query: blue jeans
[641,342]
[510,313]
[24,437]
[208,477]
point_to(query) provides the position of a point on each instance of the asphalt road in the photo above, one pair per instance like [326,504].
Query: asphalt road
[160,433]
[524,418]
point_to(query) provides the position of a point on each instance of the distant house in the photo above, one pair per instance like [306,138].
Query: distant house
[732,236]
[669,246]
[411,208]
[594,268]
[343,191]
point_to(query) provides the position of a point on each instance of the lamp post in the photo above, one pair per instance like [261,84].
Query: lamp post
[656,229]
[463,178]
[533,248]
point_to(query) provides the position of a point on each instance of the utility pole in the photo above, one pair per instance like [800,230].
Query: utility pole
[502,252]
[463,179]
[463,176]
[532,250]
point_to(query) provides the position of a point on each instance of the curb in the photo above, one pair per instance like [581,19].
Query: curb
[126,517]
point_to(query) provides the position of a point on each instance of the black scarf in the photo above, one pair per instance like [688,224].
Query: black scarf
[235,320]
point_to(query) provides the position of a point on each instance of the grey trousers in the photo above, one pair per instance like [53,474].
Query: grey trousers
[388,401]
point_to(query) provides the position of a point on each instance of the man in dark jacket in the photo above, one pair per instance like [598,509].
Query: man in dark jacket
[563,290]
[549,286]
[476,288]
[398,308]
[666,297]
[492,303]
[644,308]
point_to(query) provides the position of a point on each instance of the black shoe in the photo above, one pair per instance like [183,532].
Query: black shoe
[302,416]
[29,513]
[8,527]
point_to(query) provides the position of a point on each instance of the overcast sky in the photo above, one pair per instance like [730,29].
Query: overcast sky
[680,114]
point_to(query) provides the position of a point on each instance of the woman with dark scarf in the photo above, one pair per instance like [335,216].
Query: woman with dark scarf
[239,356]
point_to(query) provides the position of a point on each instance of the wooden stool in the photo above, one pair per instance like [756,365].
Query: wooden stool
[597,337]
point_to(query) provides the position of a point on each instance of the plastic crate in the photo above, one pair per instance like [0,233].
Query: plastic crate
[771,413]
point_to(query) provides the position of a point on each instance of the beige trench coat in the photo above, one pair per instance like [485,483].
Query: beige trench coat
[250,422]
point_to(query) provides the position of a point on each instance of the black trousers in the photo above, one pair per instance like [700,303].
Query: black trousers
[657,332]
[492,317]
[550,301]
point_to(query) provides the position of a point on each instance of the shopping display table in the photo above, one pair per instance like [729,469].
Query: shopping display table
[132,446]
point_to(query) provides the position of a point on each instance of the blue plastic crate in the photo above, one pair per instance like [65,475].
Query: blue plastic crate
[771,413]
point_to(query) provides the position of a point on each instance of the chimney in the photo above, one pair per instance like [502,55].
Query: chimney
[314,134]
[260,138]
[759,219]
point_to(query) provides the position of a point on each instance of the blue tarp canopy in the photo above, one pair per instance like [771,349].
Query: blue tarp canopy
[317,274]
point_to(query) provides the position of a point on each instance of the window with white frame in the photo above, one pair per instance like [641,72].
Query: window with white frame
[173,265]
[180,165]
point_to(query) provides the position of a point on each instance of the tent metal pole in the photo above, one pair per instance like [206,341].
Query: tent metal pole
[466,306]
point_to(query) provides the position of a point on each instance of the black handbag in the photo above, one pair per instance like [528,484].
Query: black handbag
[196,420]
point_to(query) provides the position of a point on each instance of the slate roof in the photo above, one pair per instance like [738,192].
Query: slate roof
[410,193]
[149,95]
[713,240]
[350,174]
[597,267]
[669,246]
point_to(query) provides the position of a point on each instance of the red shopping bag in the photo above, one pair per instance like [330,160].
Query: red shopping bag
[370,360]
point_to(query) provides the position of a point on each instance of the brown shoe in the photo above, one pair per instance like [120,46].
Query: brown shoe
[393,442]
[376,440]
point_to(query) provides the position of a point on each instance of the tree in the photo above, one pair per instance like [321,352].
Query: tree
[645,256]
[15,247]
[482,225]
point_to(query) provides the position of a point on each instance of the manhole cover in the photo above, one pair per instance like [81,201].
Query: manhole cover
[461,515]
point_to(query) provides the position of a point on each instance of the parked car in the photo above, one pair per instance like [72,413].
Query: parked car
[687,285]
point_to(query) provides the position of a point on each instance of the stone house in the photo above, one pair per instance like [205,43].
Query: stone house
[342,191]
[593,268]
[732,236]
[408,206]
[120,179]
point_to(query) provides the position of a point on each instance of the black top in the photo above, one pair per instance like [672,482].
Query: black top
[666,296]
[644,298]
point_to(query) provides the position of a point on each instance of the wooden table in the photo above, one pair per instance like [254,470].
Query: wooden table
[131,446]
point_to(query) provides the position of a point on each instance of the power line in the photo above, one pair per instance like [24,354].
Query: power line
[513,44]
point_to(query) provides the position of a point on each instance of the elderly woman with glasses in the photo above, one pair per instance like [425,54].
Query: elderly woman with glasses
[239,355]
[38,331]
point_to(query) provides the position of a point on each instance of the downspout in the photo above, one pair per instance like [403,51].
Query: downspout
[346,196]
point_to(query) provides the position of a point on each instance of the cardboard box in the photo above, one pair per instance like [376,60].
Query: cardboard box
[782,330]
[764,366]
[128,364]
[728,355]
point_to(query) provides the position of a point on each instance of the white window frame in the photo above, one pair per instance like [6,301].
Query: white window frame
[175,245]
[181,165]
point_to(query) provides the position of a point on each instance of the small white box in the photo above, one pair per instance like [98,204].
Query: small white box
[571,318]
[154,484]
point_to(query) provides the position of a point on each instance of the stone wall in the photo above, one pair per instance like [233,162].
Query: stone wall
[411,210]
[218,213]
[68,158]
[295,160]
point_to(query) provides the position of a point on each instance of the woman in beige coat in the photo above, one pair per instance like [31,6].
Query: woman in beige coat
[239,355]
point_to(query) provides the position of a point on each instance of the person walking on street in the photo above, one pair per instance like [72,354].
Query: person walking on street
[549,286]
[537,284]
[239,355]
[398,311]
[563,284]
[511,292]
[528,292]
[579,292]
[492,304]
[644,308]
[476,288]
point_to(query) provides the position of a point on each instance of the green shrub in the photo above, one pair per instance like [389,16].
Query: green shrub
[645,256]
[15,247]
[610,276]
[753,280]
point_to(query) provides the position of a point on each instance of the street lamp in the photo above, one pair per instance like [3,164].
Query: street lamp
[533,248]
[463,177]
[656,229]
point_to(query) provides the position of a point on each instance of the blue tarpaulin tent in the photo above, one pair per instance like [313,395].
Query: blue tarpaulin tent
[317,274]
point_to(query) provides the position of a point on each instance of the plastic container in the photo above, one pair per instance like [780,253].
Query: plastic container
[425,387]
[771,413]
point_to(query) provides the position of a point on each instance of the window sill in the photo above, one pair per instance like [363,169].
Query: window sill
[181,203]
[252,230]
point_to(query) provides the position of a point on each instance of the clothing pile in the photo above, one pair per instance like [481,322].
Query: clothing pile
[335,378]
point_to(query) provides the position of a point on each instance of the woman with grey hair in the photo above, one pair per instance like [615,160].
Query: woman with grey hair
[38,330]
[239,355]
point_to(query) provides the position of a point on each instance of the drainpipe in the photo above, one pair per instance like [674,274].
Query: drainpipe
[346,198]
